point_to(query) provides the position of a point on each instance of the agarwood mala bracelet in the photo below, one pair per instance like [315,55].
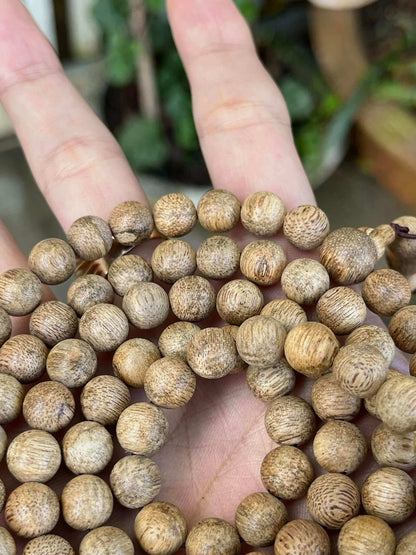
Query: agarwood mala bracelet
[272,344]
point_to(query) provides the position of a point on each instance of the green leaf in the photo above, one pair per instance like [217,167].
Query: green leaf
[179,107]
[156,6]
[143,143]
[298,98]
[121,59]
[249,8]
[111,15]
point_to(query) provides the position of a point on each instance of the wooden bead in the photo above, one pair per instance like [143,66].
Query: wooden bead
[412,366]
[48,545]
[332,500]
[290,420]
[7,543]
[339,447]
[396,404]
[407,545]
[238,300]
[341,309]
[286,472]
[87,448]
[20,291]
[375,336]
[2,495]
[146,305]
[304,281]
[87,291]
[131,223]
[401,252]
[386,291]
[11,395]
[104,398]
[306,227]
[169,383]
[219,211]
[301,537]
[176,338]
[259,517]
[24,358]
[260,341]
[49,406]
[271,382]
[128,270]
[53,322]
[213,535]
[174,214]
[87,502]
[285,311]
[402,328]
[72,362]
[3,442]
[240,364]
[192,298]
[212,353]
[106,540]
[310,348]
[173,259]
[263,262]
[263,213]
[389,493]
[331,402]
[382,236]
[142,429]
[371,402]
[53,261]
[392,449]
[366,534]
[32,509]
[160,529]
[132,359]
[34,456]
[5,326]
[90,237]
[135,481]
[104,327]
[218,257]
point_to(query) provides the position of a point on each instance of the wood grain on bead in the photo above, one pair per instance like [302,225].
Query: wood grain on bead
[135,481]
[87,448]
[271,382]
[402,328]
[52,260]
[219,211]
[290,420]
[331,402]
[304,281]
[11,395]
[218,257]
[176,338]
[72,362]
[87,291]
[213,535]
[260,341]
[301,537]
[238,300]
[341,309]
[146,305]
[263,262]
[34,456]
[263,213]
[142,429]
[90,237]
[407,545]
[173,259]
[240,364]
[53,322]
[174,215]
[192,298]
[20,291]
[131,222]
[382,236]
[24,358]
[48,545]
[386,291]
[212,353]
[285,311]
[169,383]
[393,449]
[104,398]
[132,359]
[106,540]
[7,543]
[49,406]
[3,442]
[395,404]
[412,365]
[375,336]
[160,529]
[401,253]
[5,326]
[366,534]
[2,494]
[128,270]
[104,327]
[306,227]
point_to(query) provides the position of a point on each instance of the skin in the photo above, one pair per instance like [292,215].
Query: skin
[245,135]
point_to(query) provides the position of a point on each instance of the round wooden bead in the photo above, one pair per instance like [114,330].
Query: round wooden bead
[285,311]
[219,211]
[271,382]
[72,362]
[290,420]
[131,223]
[146,305]
[333,499]
[128,270]
[389,493]
[402,328]
[48,545]
[32,509]
[169,383]
[52,260]
[24,358]
[386,291]
[49,406]
[407,545]
[104,398]
[395,404]
[306,227]
[260,341]
[218,257]
[259,517]
[192,298]
[5,326]
[392,449]
[263,213]
[238,300]
[20,291]
[366,534]
[412,366]
[370,402]
[132,359]
[11,395]
[104,327]
[3,442]
[87,291]
[2,495]
[375,336]
[160,529]
[87,448]
[87,502]
[90,237]
[286,472]
[382,235]
[401,252]
[299,537]
[310,348]
[213,535]
[173,259]
[304,281]
[212,353]
[240,364]
[339,447]
[263,262]
[174,214]
[176,338]
[34,456]
[106,540]
[7,543]
[135,481]
[142,429]
[53,322]
[331,402]
[341,309]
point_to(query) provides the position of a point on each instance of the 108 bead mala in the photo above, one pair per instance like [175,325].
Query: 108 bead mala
[272,343]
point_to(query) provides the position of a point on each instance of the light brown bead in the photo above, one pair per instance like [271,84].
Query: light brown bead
[132,359]
[104,327]
[219,211]
[392,449]
[263,262]
[160,529]
[412,366]
[135,481]
[341,309]
[3,442]
[146,305]
[401,253]
[53,322]
[90,237]
[306,227]
[375,336]
[263,213]
[285,311]
[5,326]
[331,402]
[87,448]
[192,298]
[259,517]
[169,383]
[382,235]
[386,291]
[87,502]
[290,420]
[174,215]
[286,472]
[402,328]
[11,395]
[7,543]
[128,270]
[395,404]
[52,260]
[310,348]
[24,358]
[213,535]
[34,456]
[20,291]
[49,406]
[389,493]
[87,291]
[260,341]
[142,429]
[218,257]
[407,545]
[104,398]
[366,534]
[238,300]
[2,494]
[212,353]
[173,259]
[48,545]
[131,223]
[106,540]
[333,499]
[301,537]
[271,382]
[176,338]
[240,364]
[32,509]
[370,402]
[304,281]
[72,362]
